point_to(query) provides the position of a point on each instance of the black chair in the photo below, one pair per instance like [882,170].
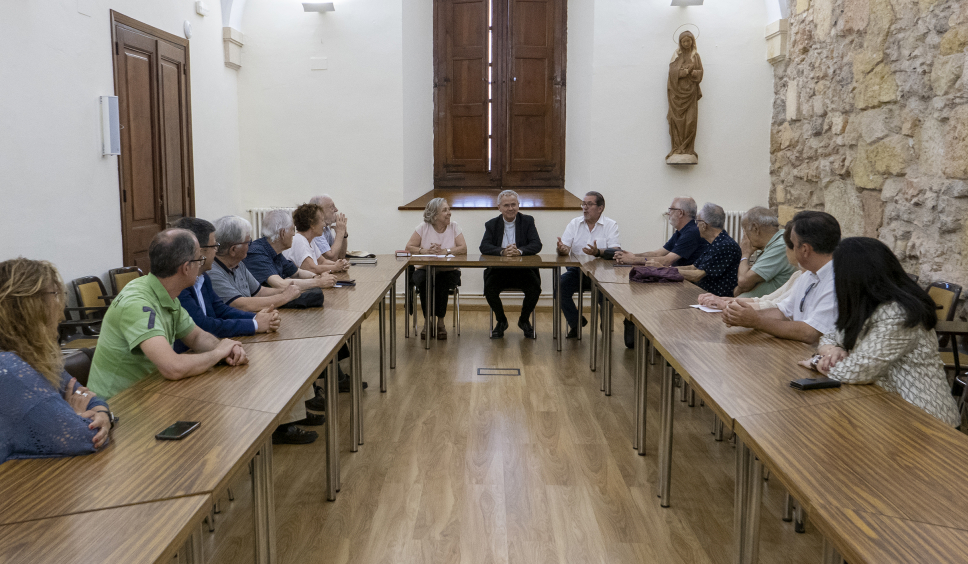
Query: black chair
[412,299]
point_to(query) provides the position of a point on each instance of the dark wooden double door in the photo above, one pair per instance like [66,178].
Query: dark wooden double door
[151,79]
[499,93]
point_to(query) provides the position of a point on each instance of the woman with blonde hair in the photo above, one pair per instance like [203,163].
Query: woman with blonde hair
[46,413]
[437,235]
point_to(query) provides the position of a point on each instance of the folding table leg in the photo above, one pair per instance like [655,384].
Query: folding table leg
[264,505]
[332,437]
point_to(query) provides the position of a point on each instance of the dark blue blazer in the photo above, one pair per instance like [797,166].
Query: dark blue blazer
[219,319]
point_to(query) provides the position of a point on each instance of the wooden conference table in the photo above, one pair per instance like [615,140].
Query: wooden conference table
[880,478]
[554,262]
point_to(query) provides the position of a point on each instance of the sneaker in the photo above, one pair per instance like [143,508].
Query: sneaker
[311,420]
[289,434]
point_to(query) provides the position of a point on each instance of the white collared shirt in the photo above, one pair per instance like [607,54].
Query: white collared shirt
[578,236]
[813,300]
[509,238]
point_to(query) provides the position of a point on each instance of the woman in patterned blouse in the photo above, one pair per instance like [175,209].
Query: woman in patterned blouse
[885,330]
[46,413]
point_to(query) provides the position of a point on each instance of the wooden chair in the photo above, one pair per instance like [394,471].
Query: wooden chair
[121,276]
[92,302]
[945,295]
[959,361]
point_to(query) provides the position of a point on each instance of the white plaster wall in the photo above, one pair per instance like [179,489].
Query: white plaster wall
[58,195]
[363,129]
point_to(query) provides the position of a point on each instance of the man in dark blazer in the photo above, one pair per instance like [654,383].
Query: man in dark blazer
[511,234]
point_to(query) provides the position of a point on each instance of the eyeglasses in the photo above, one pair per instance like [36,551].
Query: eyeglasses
[198,260]
[215,246]
[588,204]
[805,294]
[674,209]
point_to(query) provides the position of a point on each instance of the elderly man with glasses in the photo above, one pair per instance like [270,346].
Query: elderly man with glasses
[268,265]
[714,270]
[682,249]
[230,278]
[590,234]
[146,318]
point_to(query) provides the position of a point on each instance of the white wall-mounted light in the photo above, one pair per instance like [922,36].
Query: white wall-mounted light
[687,2]
[318,7]
[110,126]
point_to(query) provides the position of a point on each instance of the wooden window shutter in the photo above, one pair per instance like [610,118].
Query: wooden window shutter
[522,145]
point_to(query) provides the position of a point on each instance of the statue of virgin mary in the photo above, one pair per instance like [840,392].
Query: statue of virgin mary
[685,74]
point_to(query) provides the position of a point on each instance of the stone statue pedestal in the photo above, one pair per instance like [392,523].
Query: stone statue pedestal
[682,159]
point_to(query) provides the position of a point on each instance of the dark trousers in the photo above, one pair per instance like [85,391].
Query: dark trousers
[497,280]
[444,282]
[569,287]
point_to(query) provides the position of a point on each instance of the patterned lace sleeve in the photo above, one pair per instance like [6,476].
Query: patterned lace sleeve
[832,338]
[47,425]
[885,341]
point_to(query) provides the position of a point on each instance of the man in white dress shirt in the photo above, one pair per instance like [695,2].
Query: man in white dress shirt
[810,310]
[589,234]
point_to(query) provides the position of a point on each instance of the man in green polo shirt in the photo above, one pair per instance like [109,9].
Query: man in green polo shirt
[146,318]
[771,268]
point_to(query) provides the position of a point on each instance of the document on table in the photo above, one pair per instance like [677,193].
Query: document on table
[706,309]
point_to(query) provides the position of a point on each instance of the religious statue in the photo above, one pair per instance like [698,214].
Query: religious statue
[685,74]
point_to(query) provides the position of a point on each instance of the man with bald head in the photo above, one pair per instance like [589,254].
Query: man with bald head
[683,248]
[332,243]
[145,318]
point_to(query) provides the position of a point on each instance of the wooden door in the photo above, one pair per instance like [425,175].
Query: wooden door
[461,94]
[534,146]
[155,167]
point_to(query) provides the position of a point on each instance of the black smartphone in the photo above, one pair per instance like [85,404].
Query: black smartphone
[178,431]
[345,283]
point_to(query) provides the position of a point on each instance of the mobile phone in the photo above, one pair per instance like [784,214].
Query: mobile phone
[178,431]
[346,283]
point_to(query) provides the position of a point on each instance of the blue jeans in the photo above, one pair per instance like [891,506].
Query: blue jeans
[569,287]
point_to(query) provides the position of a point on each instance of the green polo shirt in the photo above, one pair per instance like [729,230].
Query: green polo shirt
[142,310]
[772,266]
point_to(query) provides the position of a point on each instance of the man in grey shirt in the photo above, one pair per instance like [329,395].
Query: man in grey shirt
[231,280]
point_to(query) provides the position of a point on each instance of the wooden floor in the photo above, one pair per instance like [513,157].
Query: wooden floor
[533,468]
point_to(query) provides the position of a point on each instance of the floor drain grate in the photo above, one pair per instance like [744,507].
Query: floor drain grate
[498,371]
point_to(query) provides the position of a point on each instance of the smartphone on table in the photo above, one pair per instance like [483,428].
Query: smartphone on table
[178,431]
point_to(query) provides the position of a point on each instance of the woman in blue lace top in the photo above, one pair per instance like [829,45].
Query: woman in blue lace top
[46,413]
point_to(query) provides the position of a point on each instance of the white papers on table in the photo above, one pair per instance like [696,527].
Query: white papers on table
[706,309]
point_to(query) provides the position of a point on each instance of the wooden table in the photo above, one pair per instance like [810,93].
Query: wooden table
[272,382]
[870,538]
[112,535]
[553,262]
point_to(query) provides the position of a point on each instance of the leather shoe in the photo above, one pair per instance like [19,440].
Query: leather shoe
[344,386]
[584,321]
[499,329]
[289,434]
[525,326]
[572,333]
[311,420]
[318,403]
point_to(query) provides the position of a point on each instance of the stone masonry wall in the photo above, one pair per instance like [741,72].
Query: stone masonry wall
[870,123]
